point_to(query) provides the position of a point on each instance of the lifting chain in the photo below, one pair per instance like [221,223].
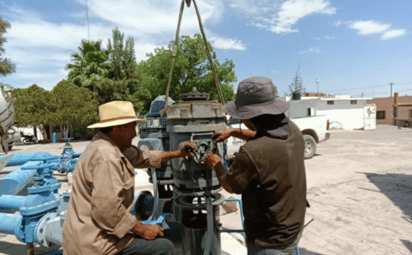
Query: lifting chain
[175,48]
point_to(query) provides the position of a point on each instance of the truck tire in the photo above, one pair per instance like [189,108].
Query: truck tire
[310,146]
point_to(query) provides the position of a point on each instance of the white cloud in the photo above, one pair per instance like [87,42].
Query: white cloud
[291,11]
[154,16]
[393,33]
[42,48]
[315,50]
[329,37]
[256,7]
[228,44]
[371,27]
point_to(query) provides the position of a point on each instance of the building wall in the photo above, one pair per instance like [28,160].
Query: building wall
[344,114]
[302,108]
[385,105]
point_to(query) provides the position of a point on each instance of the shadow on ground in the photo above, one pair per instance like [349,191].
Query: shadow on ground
[20,248]
[397,187]
[408,244]
[306,252]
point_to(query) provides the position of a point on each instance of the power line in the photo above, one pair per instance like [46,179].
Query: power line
[87,17]
[370,87]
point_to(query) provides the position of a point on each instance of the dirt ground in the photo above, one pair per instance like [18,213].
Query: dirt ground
[359,188]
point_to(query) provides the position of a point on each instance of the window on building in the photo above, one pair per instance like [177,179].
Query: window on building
[353,101]
[380,115]
[330,102]
[309,112]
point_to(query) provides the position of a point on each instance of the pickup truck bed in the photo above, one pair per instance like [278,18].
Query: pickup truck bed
[314,131]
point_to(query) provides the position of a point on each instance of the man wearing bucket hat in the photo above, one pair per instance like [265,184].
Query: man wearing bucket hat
[98,219]
[268,170]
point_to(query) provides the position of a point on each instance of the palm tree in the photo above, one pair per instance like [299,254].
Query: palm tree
[89,64]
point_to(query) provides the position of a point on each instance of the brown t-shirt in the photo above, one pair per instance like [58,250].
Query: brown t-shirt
[269,172]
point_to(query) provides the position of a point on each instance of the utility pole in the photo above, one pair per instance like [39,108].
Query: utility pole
[391,87]
[317,81]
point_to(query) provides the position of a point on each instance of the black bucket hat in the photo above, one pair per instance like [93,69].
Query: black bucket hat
[255,96]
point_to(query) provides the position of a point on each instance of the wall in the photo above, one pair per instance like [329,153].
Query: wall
[385,104]
[299,108]
[343,113]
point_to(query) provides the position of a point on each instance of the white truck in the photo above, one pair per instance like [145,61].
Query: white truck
[313,128]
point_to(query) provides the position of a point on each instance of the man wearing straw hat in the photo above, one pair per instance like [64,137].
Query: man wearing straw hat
[268,170]
[98,219]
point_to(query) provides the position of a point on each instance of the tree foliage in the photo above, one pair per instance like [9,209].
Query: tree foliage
[66,105]
[6,66]
[109,73]
[122,57]
[74,107]
[296,85]
[191,69]
[33,105]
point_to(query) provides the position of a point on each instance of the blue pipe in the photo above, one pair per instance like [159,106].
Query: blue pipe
[17,180]
[21,158]
[15,202]
[10,223]
[11,201]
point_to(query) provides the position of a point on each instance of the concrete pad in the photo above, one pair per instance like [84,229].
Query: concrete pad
[230,246]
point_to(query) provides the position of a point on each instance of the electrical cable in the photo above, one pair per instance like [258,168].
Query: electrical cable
[87,17]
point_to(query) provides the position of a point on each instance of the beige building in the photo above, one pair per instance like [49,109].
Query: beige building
[384,109]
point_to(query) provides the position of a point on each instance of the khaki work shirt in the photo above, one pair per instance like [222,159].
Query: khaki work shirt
[98,217]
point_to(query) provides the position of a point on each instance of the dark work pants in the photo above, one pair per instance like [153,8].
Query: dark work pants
[291,250]
[140,246]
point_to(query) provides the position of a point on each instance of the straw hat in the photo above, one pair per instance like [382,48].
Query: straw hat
[116,113]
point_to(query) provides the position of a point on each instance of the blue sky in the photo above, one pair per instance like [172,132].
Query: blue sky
[351,46]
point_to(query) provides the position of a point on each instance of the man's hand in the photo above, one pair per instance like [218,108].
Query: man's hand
[187,148]
[221,135]
[150,232]
[212,159]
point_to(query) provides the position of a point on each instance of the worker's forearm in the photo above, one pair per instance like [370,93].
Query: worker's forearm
[244,134]
[168,155]
[221,175]
[138,228]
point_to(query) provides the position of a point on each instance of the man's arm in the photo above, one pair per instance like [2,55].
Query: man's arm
[221,175]
[223,134]
[183,152]
[244,134]
[144,159]
[240,175]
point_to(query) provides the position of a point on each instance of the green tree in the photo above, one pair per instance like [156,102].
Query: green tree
[122,57]
[34,106]
[74,108]
[192,69]
[89,65]
[296,85]
[6,66]
[109,73]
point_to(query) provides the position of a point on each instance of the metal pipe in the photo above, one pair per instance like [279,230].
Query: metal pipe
[12,201]
[15,202]
[21,158]
[9,223]
[17,180]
